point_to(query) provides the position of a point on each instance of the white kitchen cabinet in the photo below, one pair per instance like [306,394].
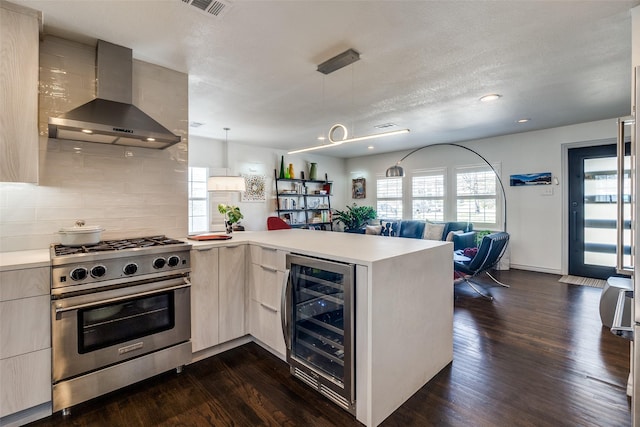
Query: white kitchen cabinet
[26,381]
[24,325]
[25,337]
[266,282]
[204,298]
[19,47]
[231,279]
[268,257]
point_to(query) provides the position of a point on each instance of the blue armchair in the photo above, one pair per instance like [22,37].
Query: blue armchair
[489,253]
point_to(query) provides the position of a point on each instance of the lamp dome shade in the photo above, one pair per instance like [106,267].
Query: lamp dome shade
[394,171]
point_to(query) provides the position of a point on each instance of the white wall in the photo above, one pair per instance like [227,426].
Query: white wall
[535,221]
[251,160]
[129,191]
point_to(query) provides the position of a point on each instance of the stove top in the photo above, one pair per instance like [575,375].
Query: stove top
[116,245]
[117,263]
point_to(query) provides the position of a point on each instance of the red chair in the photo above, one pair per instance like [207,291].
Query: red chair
[276,223]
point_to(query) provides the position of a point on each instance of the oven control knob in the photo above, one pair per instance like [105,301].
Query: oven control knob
[79,273]
[159,263]
[98,271]
[173,261]
[130,269]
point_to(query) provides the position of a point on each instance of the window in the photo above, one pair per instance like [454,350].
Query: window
[389,198]
[198,203]
[476,198]
[427,195]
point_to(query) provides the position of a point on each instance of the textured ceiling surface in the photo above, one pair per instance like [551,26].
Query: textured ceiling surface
[423,64]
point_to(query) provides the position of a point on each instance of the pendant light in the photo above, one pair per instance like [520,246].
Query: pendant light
[226,183]
[347,57]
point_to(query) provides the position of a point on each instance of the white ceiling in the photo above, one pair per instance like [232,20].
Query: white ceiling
[423,64]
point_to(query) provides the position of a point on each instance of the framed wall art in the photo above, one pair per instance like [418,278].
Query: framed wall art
[358,188]
[255,191]
[541,178]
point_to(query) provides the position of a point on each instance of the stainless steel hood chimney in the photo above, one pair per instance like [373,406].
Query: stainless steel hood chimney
[111,118]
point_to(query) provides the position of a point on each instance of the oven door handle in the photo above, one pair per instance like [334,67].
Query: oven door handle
[122,298]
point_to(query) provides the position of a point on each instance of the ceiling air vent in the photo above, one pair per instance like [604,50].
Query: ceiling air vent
[211,7]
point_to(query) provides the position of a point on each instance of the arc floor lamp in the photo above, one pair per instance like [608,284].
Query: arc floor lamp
[397,171]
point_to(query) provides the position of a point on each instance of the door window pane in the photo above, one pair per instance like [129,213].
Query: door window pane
[600,210]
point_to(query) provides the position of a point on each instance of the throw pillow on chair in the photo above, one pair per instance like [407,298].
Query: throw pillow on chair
[470,252]
[389,228]
[375,230]
[433,231]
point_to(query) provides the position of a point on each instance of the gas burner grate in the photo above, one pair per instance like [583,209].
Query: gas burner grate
[117,245]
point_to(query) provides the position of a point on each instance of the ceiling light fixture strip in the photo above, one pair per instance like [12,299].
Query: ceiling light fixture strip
[355,139]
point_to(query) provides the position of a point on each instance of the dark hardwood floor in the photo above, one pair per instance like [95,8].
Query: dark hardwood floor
[535,356]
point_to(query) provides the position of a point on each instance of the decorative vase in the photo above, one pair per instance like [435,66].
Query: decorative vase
[282,168]
[313,170]
[229,227]
[291,173]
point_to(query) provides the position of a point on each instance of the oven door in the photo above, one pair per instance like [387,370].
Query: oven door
[99,329]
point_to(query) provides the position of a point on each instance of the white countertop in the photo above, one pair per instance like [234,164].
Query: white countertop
[346,247]
[19,260]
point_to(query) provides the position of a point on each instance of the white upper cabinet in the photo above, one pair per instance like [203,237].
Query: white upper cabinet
[19,47]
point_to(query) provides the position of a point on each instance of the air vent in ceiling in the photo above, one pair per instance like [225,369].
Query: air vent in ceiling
[385,125]
[211,7]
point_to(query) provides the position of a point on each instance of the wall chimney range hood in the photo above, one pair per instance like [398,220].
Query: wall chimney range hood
[111,118]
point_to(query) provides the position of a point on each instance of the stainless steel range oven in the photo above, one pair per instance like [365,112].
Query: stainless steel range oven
[120,313]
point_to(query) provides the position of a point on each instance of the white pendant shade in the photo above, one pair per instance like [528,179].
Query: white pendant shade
[226,183]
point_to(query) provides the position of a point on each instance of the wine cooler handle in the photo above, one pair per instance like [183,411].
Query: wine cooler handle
[283,309]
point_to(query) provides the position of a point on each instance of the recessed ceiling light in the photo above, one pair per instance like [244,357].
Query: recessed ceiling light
[490,97]
[87,131]
[321,138]
[370,147]
[522,120]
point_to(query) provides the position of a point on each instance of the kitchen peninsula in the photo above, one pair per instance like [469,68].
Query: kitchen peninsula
[403,307]
[403,304]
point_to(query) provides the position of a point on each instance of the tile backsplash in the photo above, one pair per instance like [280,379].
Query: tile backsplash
[129,191]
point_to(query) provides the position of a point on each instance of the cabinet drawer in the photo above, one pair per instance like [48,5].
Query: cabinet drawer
[26,381]
[265,324]
[268,257]
[25,325]
[30,282]
[266,285]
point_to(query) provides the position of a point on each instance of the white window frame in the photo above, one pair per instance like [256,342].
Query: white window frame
[205,172]
[382,180]
[435,172]
[496,196]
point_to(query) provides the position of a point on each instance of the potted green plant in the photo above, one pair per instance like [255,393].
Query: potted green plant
[354,217]
[231,214]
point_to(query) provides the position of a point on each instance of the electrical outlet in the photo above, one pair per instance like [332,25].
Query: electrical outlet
[548,191]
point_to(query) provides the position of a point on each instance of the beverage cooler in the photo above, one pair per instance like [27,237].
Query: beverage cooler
[318,325]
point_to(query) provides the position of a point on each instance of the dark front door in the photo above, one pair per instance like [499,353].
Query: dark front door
[592,210]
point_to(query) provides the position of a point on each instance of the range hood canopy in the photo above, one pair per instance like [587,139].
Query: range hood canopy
[111,118]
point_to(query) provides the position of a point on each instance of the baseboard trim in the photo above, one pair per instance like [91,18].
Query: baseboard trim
[220,348]
[536,269]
